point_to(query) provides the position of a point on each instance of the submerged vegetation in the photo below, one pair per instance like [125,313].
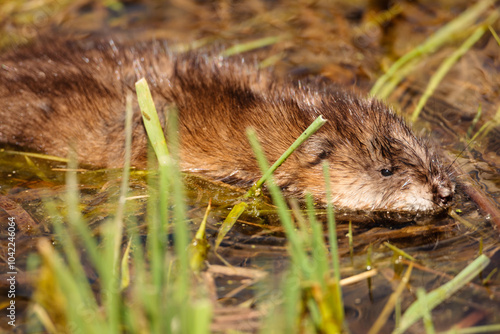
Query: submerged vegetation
[123,256]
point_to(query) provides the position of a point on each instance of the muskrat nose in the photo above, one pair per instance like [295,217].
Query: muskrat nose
[444,195]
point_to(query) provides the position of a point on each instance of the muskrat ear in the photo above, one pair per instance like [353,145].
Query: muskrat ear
[315,150]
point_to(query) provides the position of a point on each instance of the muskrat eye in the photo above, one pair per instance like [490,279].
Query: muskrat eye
[386,172]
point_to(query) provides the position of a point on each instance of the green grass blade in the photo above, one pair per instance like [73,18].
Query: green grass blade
[182,283]
[336,292]
[75,221]
[157,207]
[83,311]
[151,121]
[125,272]
[399,251]
[200,317]
[297,252]
[442,36]
[476,119]
[36,155]
[252,45]
[422,298]
[113,235]
[494,33]
[238,209]
[311,129]
[229,222]
[437,296]
[124,185]
[199,246]
[292,302]
[449,62]
[319,250]
[487,127]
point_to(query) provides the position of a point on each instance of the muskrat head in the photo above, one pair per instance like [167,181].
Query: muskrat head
[377,164]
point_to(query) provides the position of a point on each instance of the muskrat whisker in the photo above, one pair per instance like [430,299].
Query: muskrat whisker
[459,155]
[406,184]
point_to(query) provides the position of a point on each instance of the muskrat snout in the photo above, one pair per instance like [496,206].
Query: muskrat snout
[444,195]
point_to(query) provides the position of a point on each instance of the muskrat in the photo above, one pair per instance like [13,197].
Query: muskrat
[60,92]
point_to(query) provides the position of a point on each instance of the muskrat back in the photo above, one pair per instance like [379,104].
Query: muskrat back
[60,93]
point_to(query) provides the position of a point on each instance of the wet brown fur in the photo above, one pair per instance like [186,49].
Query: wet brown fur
[62,92]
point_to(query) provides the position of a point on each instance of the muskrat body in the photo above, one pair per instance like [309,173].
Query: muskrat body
[56,94]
